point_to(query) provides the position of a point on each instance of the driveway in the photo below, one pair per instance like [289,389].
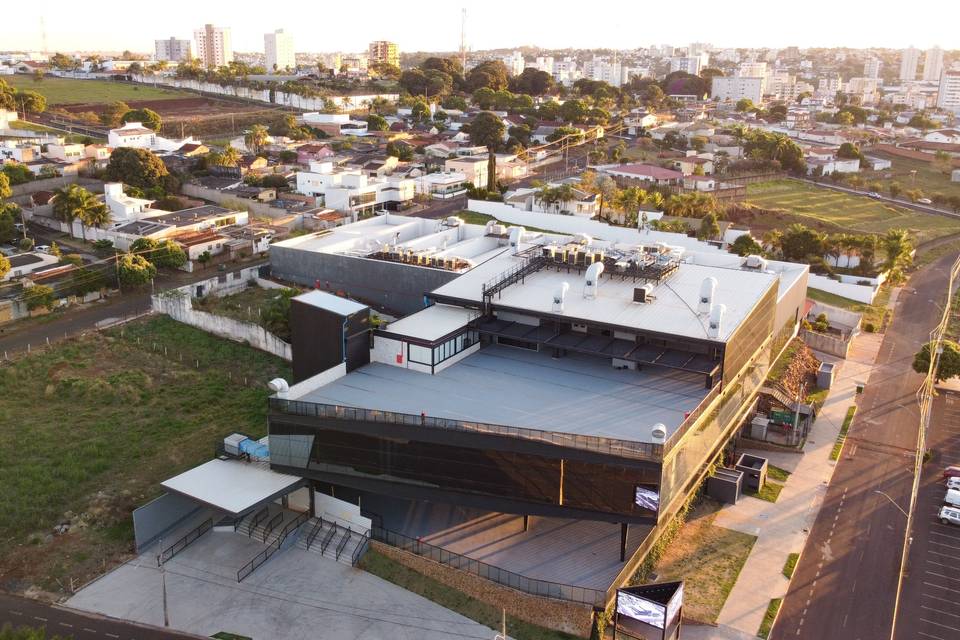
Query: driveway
[296,595]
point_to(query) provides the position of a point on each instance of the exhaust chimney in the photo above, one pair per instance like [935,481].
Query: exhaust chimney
[658,433]
[707,289]
[558,297]
[716,320]
[592,283]
[516,234]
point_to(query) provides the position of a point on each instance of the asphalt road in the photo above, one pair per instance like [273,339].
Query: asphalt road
[846,582]
[930,600]
[68,623]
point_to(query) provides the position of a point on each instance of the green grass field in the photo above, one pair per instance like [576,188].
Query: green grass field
[71,91]
[847,212]
[95,424]
[926,179]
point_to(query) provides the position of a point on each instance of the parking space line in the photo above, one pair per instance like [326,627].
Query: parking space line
[946,613]
[937,586]
[945,555]
[930,635]
[937,624]
[952,601]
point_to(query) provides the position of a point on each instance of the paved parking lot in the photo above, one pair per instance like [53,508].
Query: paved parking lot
[930,605]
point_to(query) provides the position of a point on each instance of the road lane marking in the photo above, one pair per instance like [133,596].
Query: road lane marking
[940,564]
[39,618]
[16,613]
[89,630]
[112,635]
[65,624]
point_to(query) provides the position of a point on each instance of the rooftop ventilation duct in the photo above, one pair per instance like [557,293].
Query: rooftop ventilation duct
[582,238]
[454,221]
[658,433]
[516,234]
[559,296]
[592,282]
[643,293]
[279,386]
[756,262]
[707,290]
[716,320]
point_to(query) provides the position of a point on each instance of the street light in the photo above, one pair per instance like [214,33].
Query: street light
[892,502]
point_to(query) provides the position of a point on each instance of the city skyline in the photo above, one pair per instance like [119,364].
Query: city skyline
[498,25]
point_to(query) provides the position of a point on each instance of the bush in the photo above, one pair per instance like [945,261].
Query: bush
[39,296]
[869,328]
[26,244]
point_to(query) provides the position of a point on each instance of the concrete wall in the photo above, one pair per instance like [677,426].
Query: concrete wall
[858,292]
[315,382]
[160,516]
[50,184]
[281,216]
[826,344]
[393,286]
[177,305]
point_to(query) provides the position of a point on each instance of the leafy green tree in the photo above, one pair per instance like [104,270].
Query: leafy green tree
[491,73]
[487,129]
[709,227]
[147,117]
[400,151]
[4,265]
[377,123]
[140,168]
[84,281]
[948,365]
[800,243]
[31,101]
[168,255]
[134,270]
[533,81]
[5,191]
[16,172]
[9,215]
[74,203]
[899,249]
[39,295]
[457,103]
[844,118]
[113,113]
[745,104]
[745,245]
[420,111]
[276,314]
[895,189]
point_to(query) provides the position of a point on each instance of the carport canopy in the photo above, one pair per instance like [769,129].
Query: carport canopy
[232,486]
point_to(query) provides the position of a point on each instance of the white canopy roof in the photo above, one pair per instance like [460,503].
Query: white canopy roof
[233,486]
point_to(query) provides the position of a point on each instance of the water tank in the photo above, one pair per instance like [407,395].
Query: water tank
[516,235]
[592,280]
[558,297]
[716,320]
[707,290]
[658,433]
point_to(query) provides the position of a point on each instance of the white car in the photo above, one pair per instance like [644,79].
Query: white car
[42,248]
[952,497]
[924,201]
[949,515]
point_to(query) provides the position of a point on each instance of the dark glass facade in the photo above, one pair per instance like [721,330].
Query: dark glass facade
[605,488]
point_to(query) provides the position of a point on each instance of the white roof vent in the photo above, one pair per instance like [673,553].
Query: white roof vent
[454,221]
[279,386]
[707,290]
[658,433]
[516,235]
[559,295]
[716,320]
[592,281]
[582,238]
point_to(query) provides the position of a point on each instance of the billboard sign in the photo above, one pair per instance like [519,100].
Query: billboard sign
[651,611]
[646,498]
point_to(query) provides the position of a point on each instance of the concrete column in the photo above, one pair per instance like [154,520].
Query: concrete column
[624,529]
[526,522]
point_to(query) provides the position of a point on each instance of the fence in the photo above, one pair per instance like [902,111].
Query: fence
[533,586]
[274,546]
[279,216]
[835,346]
[50,184]
[182,543]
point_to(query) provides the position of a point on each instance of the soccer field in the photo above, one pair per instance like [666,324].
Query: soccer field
[72,91]
[852,213]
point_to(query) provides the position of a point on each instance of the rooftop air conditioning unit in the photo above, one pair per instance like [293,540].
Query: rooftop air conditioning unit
[582,238]
[756,262]
[643,293]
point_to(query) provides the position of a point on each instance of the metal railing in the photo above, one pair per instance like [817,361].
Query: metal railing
[183,542]
[360,549]
[533,586]
[343,542]
[599,444]
[327,538]
[691,419]
[274,521]
[266,554]
[314,532]
[257,519]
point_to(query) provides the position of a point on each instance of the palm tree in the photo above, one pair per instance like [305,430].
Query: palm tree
[868,250]
[898,247]
[97,214]
[256,138]
[72,202]
[230,157]
[772,240]
[564,194]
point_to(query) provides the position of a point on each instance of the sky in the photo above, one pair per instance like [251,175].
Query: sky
[334,25]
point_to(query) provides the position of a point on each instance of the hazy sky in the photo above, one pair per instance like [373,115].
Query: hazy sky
[335,25]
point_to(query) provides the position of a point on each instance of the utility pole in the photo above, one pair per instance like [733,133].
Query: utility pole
[463,40]
[163,583]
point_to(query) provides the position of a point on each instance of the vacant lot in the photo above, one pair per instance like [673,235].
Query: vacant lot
[912,174]
[60,91]
[708,558]
[249,305]
[835,211]
[91,427]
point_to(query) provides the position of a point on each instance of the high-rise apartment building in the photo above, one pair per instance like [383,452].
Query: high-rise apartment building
[214,46]
[278,51]
[385,52]
[172,50]
[909,61]
[933,64]
[871,68]
[948,98]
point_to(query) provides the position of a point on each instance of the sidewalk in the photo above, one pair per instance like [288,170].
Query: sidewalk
[782,527]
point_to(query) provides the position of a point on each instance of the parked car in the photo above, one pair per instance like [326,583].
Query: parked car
[949,515]
[874,195]
[924,201]
[952,497]
[953,483]
[42,248]
[951,472]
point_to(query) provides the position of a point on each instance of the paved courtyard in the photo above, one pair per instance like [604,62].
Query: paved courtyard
[296,595]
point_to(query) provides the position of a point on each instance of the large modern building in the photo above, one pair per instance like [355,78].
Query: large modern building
[214,46]
[948,97]
[385,52]
[278,51]
[933,64]
[551,408]
[733,89]
[909,61]
[172,50]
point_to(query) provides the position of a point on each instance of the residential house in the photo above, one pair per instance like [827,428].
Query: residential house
[949,136]
[312,151]
[442,186]
[688,165]
[335,124]
[878,164]
[640,120]
[22,152]
[639,174]
[132,134]
[700,183]
[475,168]
[350,190]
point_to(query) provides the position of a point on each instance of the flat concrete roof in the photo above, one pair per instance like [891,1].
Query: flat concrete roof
[673,310]
[233,486]
[330,302]
[507,386]
[433,322]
